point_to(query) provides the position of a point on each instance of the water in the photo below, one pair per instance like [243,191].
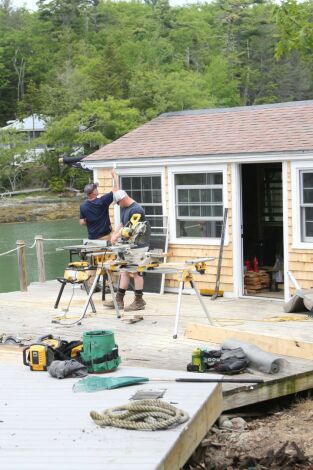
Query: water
[55,261]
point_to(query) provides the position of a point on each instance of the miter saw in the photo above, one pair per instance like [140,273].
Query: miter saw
[133,245]
[136,232]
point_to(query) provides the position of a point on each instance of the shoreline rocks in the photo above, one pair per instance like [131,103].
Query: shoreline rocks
[39,209]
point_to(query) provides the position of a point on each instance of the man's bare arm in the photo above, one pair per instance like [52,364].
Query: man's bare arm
[115,177]
[82,221]
[116,233]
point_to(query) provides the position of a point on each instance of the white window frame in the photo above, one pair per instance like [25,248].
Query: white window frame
[186,169]
[156,171]
[296,169]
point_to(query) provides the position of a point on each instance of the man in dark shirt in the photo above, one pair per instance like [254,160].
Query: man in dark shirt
[94,212]
[129,207]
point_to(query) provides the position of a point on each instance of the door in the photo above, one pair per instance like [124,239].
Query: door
[262,230]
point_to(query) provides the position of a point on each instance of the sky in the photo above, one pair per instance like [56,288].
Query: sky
[31,4]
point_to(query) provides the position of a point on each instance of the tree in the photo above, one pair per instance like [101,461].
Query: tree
[94,124]
[13,155]
[295,24]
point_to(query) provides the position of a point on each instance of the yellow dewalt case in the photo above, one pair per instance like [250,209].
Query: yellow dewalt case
[38,356]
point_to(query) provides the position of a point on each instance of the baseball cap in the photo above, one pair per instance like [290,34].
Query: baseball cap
[89,188]
[119,195]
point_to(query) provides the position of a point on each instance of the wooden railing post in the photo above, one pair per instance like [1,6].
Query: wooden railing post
[40,258]
[21,260]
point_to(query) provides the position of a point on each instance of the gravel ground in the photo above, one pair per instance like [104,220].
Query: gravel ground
[280,439]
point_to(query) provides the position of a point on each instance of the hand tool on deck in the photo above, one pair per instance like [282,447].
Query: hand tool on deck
[39,355]
[94,384]
[220,257]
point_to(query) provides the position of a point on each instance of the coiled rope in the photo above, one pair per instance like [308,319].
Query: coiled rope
[141,415]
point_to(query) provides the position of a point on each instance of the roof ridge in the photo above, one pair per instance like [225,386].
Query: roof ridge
[235,109]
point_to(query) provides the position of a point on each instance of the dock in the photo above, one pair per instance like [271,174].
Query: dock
[45,424]
[149,344]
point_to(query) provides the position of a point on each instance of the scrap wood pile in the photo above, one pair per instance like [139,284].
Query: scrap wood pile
[256,281]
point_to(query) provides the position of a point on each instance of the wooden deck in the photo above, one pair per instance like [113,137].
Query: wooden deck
[45,425]
[150,343]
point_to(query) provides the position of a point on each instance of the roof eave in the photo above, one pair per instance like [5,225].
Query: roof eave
[285,155]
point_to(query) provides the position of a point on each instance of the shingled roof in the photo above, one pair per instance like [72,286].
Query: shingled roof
[278,127]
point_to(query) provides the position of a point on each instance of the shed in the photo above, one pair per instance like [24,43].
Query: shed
[257,161]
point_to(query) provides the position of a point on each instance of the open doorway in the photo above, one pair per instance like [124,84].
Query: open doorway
[262,229]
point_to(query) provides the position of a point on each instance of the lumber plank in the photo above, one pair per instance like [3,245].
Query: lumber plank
[272,344]
[274,388]
[197,429]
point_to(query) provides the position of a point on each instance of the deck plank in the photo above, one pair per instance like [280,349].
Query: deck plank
[44,423]
[150,343]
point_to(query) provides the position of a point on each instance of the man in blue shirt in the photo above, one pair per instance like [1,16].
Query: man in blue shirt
[94,212]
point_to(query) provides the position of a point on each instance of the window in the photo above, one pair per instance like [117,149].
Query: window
[146,190]
[199,205]
[306,205]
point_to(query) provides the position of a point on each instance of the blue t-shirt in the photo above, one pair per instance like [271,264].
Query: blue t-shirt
[128,212]
[96,214]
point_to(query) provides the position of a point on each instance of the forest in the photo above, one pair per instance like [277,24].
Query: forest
[95,69]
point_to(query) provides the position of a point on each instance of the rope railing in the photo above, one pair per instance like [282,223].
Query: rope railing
[10,251]
[21,257]
[35,241]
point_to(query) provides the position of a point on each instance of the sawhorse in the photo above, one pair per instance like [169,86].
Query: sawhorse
[188,277]
[63,282]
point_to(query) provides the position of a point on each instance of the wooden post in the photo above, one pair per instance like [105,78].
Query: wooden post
[21,259]
[40,258]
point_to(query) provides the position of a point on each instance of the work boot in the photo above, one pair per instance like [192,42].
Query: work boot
[119,297]
[137,304]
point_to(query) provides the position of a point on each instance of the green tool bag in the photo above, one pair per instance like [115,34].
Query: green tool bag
[100,352]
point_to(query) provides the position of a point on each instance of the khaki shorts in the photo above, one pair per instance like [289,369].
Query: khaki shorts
[105,237]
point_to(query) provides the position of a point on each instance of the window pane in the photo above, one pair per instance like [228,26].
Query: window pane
[309,229]
[136,183]
[126,183]
[308,214]
[206,211]
[194,211]
[217,211]
[214,178]
[155,221]
[156,196]
[198,229]
[183,211]
[307,180]
[149,210]
[137,196]
[146,196]
[205,195]
[308,196]
[183,195]
[156,182]
[194,195]
[191,179]
[146,182]
[217,195]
